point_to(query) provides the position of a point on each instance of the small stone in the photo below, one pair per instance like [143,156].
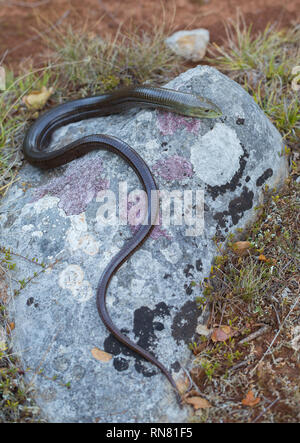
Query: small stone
[203,330]
[189,44]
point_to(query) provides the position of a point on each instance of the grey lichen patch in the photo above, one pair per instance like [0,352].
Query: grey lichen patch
[151,297]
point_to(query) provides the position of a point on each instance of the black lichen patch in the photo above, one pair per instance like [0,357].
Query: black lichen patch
[158,326]
[188,289]
[185,322]
[240,121]
[187,270]
[144,327]
[215,191]
[120,364]
[176,366]
[247,179]
[30,301]
[267,174]
[236,208]
[199,265]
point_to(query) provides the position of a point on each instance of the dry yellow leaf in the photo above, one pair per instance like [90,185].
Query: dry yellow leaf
[262,258]
[241,247]
[10,327]
[198,402]
[182,385]
[101,355]
[222,333]
[37,99]
[250,400]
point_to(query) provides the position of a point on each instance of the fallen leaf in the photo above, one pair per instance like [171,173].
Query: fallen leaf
[2,79]
[250,400]
[222,333]
[10,327]
[182,385]
[241,247]
[101,355]
[198,402]
[37,99]
[262,257]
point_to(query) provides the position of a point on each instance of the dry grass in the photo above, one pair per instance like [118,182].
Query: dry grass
[263,65]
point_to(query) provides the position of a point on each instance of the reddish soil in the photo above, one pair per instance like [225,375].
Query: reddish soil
[19,20]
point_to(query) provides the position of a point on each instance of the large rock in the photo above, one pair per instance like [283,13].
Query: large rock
[55,216]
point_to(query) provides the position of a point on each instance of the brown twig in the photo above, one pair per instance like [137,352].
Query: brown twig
[276,335]
[240,365]
[277,316]
[254,335]
[265,410]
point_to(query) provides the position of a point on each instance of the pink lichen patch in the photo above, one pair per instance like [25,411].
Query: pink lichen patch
[159,232]
[174,168]
[78,185]
[169,122]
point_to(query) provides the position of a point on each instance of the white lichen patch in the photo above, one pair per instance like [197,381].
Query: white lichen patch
[79,238]
[43,204]
[27,228]
[137,285]
[143,260]
[216,155]
[108,255]
[72,278]
[144,116]
[172,253]
[37,234]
